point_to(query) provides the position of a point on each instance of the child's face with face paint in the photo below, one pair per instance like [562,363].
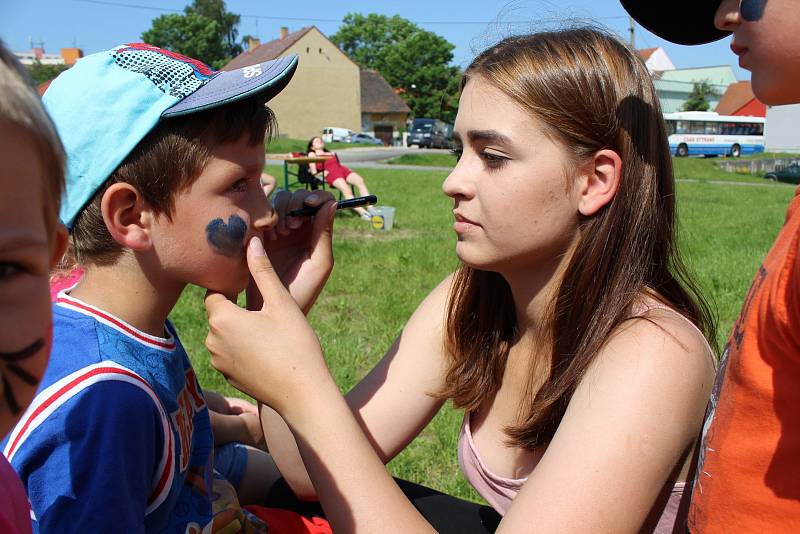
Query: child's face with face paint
[214,219]
[765,39]
[28,250]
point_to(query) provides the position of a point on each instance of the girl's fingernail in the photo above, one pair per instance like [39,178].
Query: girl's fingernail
[256,247]
[312,198]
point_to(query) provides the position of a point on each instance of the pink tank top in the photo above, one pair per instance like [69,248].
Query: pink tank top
[499,491]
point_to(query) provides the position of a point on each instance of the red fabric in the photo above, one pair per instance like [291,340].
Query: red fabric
[288,522]
[333,169]
[61,281]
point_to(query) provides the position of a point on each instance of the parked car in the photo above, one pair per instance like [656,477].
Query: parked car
[363,138]
[332,133]
[430,133]
[790,174]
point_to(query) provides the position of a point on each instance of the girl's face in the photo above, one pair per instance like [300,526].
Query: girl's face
[28,250]
[514,205]
[765,39]
[318,144]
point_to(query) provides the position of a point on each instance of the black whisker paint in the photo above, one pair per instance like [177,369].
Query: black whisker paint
[23,354]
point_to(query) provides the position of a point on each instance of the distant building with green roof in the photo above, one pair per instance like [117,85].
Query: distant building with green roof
[674,86]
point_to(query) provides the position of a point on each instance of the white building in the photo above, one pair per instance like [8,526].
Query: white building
[29,58]
[782,134]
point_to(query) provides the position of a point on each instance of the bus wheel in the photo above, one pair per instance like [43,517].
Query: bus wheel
[736,151]
[682,151]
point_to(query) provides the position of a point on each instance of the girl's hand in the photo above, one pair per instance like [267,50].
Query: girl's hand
[271,354]
[300,248]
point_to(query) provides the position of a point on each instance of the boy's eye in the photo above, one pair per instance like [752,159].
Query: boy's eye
[239,186]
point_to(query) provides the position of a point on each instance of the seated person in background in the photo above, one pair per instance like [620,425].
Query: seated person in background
[337,175]
[163,190]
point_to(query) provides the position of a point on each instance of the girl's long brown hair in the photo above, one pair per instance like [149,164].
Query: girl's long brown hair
[591,92]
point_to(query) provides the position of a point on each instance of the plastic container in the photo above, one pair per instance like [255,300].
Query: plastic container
[382,217]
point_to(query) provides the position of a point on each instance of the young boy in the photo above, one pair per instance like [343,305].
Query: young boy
[31,243]
[748,475]
[163,190]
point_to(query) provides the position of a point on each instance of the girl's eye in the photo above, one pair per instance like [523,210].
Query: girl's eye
[240,186]
[457,152]
[7,270]
[493,161]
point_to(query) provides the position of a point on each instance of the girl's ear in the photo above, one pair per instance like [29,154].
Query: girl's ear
[127,216]
[600,181]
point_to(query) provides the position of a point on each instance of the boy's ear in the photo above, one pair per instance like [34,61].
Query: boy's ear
[600,181]
[59,245]
[127,216]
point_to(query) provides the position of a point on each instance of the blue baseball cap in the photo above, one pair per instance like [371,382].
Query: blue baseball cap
[109,101]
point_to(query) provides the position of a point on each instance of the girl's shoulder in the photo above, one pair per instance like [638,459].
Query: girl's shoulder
[657,342]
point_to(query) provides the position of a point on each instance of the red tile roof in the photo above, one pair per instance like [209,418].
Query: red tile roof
[645,53]
[377,96]
[266,51]
[737,96]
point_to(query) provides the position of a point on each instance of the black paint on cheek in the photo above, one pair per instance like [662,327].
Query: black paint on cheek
[227,239]
[23,354]
[752,10]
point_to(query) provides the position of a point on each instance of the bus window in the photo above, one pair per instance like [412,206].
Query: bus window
[682,127]
[711,128]
[696,127]
[670,127]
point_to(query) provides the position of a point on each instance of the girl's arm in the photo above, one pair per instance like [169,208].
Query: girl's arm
[391,404]
[312,166]
[283,367]
[627,428]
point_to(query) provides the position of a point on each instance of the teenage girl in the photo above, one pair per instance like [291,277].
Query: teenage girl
[571,336]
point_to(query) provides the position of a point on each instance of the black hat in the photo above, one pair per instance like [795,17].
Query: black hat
[683,22]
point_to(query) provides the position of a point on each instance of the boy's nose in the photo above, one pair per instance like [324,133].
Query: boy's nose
[727,17]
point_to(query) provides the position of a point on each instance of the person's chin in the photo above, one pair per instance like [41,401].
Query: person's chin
[774,92]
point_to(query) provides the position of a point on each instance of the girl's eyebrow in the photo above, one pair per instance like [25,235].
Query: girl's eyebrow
[488,136]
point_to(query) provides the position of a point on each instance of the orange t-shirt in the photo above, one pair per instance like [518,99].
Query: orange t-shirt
[748,476]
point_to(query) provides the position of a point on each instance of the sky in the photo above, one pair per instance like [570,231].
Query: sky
[470,25]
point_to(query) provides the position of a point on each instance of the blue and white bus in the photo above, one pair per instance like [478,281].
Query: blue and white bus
[708,134]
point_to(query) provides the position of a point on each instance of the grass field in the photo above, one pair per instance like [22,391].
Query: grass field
[379,279]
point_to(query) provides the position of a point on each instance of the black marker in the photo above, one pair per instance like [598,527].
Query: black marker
[342,204]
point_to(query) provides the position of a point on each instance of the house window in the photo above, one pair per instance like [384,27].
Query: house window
[308,49]
[320,50]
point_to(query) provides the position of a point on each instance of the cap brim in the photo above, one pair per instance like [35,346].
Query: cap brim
[682,22]
[264,79]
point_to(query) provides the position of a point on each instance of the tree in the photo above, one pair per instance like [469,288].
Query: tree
[409,58]
[698,99]
[227,22]
[205,31]
[41,73]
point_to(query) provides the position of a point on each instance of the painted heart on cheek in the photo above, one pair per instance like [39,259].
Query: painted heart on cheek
[227,239]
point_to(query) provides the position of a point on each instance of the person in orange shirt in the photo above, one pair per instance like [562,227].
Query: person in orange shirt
[748,476]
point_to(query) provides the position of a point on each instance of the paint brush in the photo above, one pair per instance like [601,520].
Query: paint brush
[340,205]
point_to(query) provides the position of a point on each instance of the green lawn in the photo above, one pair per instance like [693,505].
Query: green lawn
[380,277]
[433,160]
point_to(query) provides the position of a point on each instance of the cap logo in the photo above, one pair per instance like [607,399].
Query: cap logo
[171,73]
[253,70]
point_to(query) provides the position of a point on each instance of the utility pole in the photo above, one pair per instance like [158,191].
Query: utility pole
[632,29]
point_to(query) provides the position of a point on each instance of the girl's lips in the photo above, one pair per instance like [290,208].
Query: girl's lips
[463,224]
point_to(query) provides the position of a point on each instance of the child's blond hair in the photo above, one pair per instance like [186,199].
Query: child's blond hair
[20,105]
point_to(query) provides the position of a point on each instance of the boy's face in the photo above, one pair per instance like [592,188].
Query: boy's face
[27,253]
[214,219]
[765,37]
